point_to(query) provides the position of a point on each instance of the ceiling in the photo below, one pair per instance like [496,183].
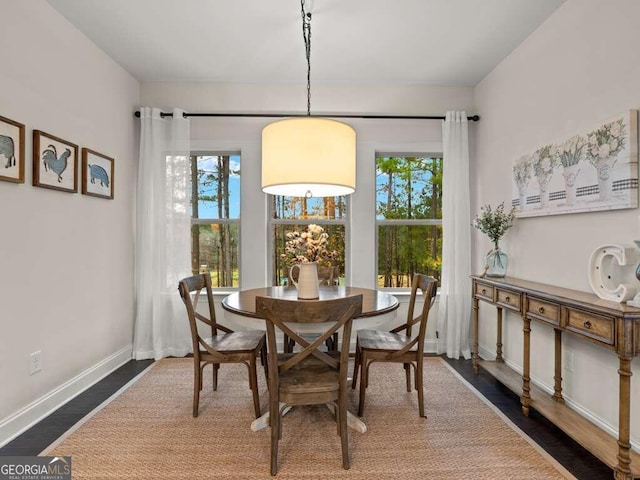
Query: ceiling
[354,42]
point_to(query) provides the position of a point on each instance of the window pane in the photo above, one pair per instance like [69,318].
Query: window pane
[335,242]
[408,191]
[407,249]
[305,208]
[217,252]
[408,187]
[218,186]
[215,210]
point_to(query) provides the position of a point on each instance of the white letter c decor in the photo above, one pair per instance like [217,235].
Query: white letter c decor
[609,266]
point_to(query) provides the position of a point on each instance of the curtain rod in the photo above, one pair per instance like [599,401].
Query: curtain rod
[473,118]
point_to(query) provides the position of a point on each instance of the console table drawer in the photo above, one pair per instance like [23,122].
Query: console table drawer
[483,291]
[509,299]
[593,326]
[543,310]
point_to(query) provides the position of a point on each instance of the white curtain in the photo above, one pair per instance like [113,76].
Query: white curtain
[454,312]
[162,255]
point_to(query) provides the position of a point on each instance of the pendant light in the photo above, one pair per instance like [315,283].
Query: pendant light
[308,156]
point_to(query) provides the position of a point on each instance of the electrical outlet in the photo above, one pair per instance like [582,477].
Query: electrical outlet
[35,362]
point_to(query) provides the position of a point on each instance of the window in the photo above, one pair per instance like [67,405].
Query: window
[215,216]
[289,214]
[408,218]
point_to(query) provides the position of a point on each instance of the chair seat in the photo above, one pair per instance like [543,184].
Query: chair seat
[381,340]
[309,376]
[246,341]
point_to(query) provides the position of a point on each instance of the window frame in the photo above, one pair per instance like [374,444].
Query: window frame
[398,221]
[272,222]
[194,154]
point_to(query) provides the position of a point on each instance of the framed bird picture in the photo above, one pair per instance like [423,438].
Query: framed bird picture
[55,163]
[97,174]
[11,151]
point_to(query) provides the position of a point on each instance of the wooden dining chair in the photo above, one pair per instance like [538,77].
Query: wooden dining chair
[310,376]
[393,346]
[327,276]
[224,345]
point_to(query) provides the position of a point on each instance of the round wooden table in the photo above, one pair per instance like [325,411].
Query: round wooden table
[375,304]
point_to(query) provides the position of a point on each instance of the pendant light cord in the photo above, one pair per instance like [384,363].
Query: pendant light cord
[306,34]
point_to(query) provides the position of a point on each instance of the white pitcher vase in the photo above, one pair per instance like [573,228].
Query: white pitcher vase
[307,283]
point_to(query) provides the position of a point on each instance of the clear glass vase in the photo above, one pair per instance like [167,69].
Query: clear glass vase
[495,262]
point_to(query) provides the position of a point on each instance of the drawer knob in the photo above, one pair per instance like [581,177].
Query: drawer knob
[541,309]
[587,324]
[484,291]
[507,299]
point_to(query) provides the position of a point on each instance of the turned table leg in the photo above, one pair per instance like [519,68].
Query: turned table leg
[474,347]
[499,338]
[526,397]
[623,470]
[557,378]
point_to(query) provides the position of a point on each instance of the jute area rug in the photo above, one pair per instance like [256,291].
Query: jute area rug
[148,432]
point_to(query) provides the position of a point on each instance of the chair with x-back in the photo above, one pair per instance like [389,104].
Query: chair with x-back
[224,345]
[393,346]
[310,376]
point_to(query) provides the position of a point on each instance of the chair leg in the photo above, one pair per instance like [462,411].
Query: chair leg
[274,420]
[197,382]
[287,344]
[407,369]
[274,451]
[356,366]
[253,384]
[332,343]
[215,367]
[364,380]
[420,386]
[342,422]
[281,410]
[263,360]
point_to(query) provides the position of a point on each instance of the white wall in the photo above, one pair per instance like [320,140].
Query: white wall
[580,67]
[66,262]
[242,134]
[372,135]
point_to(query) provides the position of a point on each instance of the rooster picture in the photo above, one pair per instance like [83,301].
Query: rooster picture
[51,160]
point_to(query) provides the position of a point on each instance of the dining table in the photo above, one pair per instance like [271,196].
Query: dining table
[378,307]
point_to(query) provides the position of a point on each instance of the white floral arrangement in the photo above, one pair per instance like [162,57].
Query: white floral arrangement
[607,141]
[572,151]
[494,222]
[522,170]
[544,161]
[310,245]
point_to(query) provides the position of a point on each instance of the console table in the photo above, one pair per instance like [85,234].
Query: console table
[610,325]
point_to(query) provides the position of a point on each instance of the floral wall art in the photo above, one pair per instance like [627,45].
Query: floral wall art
[593,170]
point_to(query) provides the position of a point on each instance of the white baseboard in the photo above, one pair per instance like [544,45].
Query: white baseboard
[485,354]
[431,345]
[28,416]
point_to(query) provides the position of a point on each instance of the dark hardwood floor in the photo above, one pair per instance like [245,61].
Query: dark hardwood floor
[581,463]
[45,432]
[567,452]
